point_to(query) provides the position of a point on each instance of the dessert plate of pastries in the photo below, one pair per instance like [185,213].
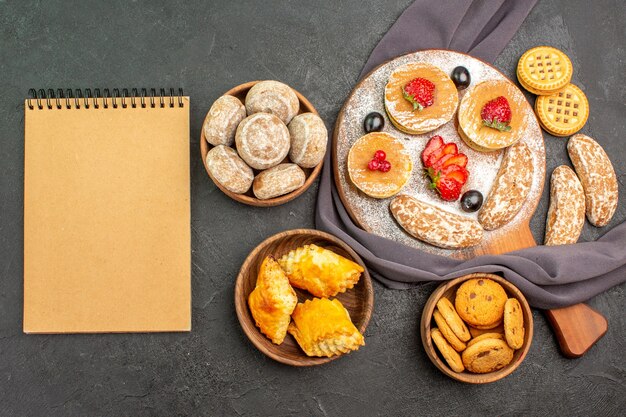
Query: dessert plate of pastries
[440,151]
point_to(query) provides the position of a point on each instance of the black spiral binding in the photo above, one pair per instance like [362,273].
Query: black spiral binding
[79,98]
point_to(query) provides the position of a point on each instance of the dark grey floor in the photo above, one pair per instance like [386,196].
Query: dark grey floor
[319,48]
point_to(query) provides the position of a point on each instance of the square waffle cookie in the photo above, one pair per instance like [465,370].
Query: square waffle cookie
[544,70]
[563,113]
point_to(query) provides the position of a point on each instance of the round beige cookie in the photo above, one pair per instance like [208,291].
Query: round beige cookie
[222,120]
[308,140]
[480,302]
[273,97]
[445,307]
[544,70]
[513,323]
[475,332]
[490,327]
[447,332]
[485,336]
[262,140]
[479,136]
[487,355]
[229,169]
[449,354]
[401,111]
[278,180]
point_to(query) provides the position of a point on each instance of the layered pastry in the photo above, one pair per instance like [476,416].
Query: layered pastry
[420,97]
[323,328]
[493,115]
[272,301]
[320,271]
[379,165]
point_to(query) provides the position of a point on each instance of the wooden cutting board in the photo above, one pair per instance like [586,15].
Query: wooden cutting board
[577,327]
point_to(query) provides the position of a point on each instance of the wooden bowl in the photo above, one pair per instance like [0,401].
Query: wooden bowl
[240,92]
[359,301]
[448,290]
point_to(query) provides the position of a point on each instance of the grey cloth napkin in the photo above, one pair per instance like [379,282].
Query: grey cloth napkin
[549,276]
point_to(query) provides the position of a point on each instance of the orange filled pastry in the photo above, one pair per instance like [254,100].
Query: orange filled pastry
[323,328]
[320,271]
[272,301]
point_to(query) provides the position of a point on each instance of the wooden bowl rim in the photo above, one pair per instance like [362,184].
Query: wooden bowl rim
[253,201]
[241,302]
[465,376]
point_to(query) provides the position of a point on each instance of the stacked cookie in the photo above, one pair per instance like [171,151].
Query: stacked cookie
[481,330]
[272,142]
[562,108]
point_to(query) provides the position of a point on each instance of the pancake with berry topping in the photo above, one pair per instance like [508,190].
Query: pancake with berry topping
[379,165]
[419,98]
[493,115]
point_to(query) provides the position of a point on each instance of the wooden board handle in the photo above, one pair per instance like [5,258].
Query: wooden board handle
[577,327]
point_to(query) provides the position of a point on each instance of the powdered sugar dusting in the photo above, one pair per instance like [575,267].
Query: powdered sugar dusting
[373,214]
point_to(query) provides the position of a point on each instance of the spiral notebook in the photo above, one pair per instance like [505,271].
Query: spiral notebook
[106,212]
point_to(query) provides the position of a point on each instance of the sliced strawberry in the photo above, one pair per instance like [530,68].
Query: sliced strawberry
[433,145]
[456,172]
[450,148]
[437,165]
[437,155]
[449,189]
[458,159]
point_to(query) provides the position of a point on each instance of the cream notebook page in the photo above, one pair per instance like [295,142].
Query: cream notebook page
[107,216]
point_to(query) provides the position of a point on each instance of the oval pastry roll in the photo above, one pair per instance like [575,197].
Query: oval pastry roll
[434,225]
[273,97]
[473,129]
[597,176]
[510,188]
[272,301]
[566,214]
[320,271]
[262,140]
[229,169]
[222,120]
[323,328]
[308,140]
[278,180]
[421,114]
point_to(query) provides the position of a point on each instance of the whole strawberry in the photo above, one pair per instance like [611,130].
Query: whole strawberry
[497,114]
[419,92]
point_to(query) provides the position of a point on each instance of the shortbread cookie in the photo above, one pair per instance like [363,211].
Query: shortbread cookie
[278,180]
[480,302]
[262,140]
[487,356]
[273,97]
[308,140]
[378,183]
[563,113]
[485,336]
[484,138]
[597,176]
[475,332]
[434,225]
[449,314]
[544,70]
[229,169]
[449,354]
[447,332]
[510,188]
[513,323]
[566,214]
[490,327]
[418,119]
[222,120]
